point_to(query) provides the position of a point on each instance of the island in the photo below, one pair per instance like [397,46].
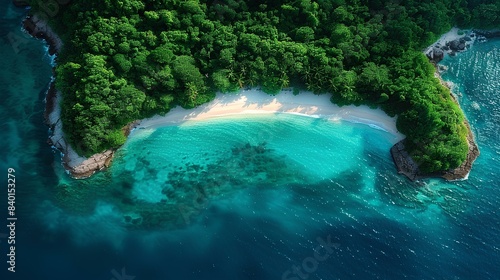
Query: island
[123,61]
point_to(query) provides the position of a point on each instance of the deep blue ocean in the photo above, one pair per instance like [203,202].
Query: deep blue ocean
[259,197]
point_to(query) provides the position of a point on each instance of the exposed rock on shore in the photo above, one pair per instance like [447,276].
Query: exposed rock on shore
[457,41]
[38,28]
[436,54]
[457,44]
[450,43]
[78,166]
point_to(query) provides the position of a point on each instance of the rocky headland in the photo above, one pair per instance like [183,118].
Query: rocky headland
[408,167]
[77,166]
[38,28]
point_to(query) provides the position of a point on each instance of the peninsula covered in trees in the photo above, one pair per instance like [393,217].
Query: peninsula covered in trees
[129,59]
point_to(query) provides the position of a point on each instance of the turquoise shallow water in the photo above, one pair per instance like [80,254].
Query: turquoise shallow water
[268,148]
[247,198]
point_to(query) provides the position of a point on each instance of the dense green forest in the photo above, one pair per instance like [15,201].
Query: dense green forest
[130,59]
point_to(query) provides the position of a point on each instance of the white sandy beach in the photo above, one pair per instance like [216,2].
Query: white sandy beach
[255,101]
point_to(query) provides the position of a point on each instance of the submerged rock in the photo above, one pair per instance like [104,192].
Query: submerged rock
[442,68]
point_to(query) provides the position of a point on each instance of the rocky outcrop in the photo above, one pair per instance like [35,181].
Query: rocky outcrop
[451,43]
[436,54]
[408,167]
[38,28]
[89,166]
[404,163]
[457,45]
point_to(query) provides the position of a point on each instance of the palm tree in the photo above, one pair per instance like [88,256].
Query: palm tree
[284,80]
[241,76]
[192,93]
[240,80]
[332,85]
[231,74]
[307,74]
[250,80]
[243,70]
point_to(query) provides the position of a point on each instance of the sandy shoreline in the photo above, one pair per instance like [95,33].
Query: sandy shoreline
[254,101]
